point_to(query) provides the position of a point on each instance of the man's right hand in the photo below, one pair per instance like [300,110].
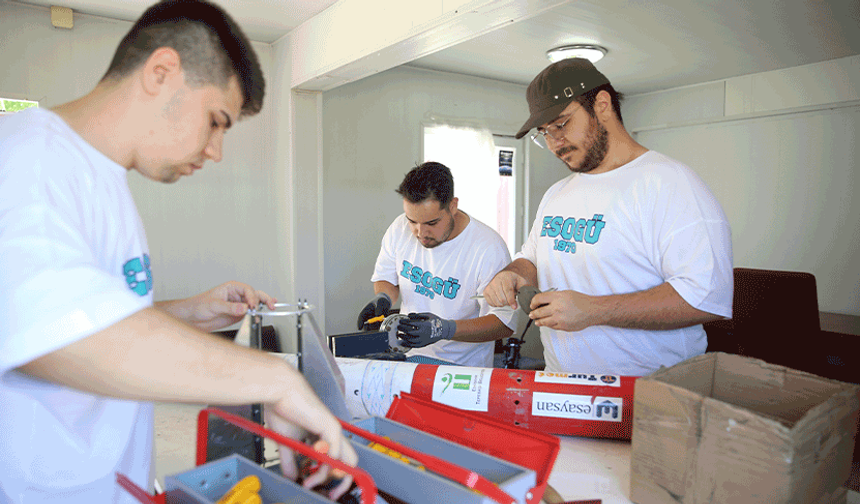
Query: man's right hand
[379,305]
[302,413]
[502,289]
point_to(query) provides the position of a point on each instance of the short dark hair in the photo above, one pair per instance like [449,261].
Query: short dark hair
[211,47]
[587,99]
[430,180]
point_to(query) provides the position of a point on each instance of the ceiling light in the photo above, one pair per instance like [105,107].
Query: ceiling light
[592,53]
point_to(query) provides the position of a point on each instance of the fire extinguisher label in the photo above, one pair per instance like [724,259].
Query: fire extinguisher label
[463,387]
[578,379]
[577,407]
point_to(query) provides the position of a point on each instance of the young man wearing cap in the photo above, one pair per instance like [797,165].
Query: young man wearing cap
[84,347]
[437,258]
[636,247]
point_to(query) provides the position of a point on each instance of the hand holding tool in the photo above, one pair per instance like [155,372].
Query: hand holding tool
[511,358]
[379,305]
[422,329]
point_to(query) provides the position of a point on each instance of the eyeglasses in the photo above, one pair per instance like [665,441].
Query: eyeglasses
[554,131]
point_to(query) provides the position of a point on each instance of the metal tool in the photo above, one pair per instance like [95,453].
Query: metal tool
[481,296]
[511,359]
[389,325]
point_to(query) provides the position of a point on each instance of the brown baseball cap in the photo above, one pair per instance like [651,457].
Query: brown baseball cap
[554,88]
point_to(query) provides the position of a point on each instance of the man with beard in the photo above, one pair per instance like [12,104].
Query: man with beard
[442,258]
[634,248]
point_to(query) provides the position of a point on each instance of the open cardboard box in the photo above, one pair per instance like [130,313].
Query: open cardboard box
[727,428]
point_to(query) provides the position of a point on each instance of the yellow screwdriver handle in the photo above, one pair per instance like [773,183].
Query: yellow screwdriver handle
[238,494]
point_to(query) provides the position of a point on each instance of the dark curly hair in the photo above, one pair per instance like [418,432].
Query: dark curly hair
[428,180]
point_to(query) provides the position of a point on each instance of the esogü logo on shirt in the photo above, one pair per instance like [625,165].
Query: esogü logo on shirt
[568,231]
[138,275]
[577,407]
[428,285]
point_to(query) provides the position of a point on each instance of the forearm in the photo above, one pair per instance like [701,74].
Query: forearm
[481,329]
[659,308]
[388,288]
[179,308]
[146,356]
[525,269]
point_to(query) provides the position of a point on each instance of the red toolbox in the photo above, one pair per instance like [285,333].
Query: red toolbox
[534,450]
[480,476]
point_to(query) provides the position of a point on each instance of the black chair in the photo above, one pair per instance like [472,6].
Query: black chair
[775,318]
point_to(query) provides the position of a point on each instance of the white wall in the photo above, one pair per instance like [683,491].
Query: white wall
[779,151]
[51,65]
[218,225]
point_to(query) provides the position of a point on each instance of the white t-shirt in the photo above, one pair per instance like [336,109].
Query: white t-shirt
[441,280]
[650,221]
[73,261]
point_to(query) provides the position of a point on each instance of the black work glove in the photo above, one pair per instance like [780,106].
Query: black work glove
[422,329]
[379,305]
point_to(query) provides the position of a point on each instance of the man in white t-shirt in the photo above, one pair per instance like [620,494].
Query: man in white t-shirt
[437,258]
[637,249]
[84,350]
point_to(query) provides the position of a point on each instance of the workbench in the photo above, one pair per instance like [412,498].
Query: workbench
[600,469]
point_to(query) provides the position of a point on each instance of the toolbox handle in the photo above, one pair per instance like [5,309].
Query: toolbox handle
[440,466]
[135,490]
[361,478]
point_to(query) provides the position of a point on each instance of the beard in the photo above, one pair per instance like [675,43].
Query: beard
[595,152]
[434,242]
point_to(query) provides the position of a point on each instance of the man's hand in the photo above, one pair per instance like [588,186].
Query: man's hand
[302,416]
[564,310]
[422,329]
[379,305]
[502,289]
[219,307]
[659,308]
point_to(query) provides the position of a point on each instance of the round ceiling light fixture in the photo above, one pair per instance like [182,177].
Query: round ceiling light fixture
[592,53]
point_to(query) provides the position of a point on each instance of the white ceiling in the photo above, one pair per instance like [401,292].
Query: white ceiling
[652,45]
[261,20]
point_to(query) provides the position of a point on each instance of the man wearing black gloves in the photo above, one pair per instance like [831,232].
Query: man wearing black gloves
[376,307]
[438,258]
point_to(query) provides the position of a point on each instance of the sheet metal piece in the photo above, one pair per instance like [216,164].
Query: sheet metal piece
[321,370]
[314,359]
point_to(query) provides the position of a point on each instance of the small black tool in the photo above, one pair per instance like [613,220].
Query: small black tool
[513,345]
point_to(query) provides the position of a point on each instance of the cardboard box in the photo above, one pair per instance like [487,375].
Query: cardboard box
[726,428]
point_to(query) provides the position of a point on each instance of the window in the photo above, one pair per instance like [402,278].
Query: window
[9,105]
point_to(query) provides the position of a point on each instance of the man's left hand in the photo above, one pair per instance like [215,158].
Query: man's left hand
[422,329]
[219,307]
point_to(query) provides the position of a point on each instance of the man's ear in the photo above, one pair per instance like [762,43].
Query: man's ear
[162,68]
[452,205]
[603,104]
